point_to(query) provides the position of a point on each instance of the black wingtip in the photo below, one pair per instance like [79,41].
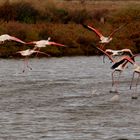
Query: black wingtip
[84,25]
[117,64]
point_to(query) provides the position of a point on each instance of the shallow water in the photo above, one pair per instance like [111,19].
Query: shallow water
[65,99]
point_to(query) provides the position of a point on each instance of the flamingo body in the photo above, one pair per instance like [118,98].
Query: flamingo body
[27,52]
[44,43]
[116,55]
[103,39]
[5,37]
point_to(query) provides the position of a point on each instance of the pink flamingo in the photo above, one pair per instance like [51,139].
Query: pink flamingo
[103,39]
[5,37]
[119,53]
[118,65]
[115,55]
[27,53]
[121,65]
[135,71]
[44,43]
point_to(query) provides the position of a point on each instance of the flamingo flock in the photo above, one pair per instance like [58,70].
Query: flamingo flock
[119,58]
[26,53]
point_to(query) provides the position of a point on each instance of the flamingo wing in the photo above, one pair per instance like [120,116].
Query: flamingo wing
[113,32]
[127,52]
[31,43]
[16,39]
[99,48]
[94,30]
[125,59]
[56,44]
[41,53]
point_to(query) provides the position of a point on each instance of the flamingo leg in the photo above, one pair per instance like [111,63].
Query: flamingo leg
[113,82]
[37,52]
[134,95]
[132,80]
[137,81]
[103,58]
[26,64]
[117,82]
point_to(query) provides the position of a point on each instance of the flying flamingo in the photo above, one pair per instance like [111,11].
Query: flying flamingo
[106,54]
[120,66]
[103,40]
[27,53]
[115,55]
[5,37]
[119,53]
[136,70]
[44,43]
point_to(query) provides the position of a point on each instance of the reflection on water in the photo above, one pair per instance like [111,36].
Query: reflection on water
[65,99]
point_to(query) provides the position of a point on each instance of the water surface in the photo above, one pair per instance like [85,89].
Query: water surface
[65,99]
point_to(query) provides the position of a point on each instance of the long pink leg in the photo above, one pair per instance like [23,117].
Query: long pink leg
[37,52]
[134,96]
[26,64]
[117,82]
[103,58]
[113,82]
[137,81]
[132,80]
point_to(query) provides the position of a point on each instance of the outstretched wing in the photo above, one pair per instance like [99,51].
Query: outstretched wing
[112,33]
[105,53]
[16,39]
[93,29]
[5,37]
[125,59]
[117,64]
[31,43]
[56,44]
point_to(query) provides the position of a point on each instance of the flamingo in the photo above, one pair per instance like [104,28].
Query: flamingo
[5,37]
[116,55]
[44,43]
[119,65]
[103,39]
[106,54]
[135,71]
[27,53]
[119,53]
